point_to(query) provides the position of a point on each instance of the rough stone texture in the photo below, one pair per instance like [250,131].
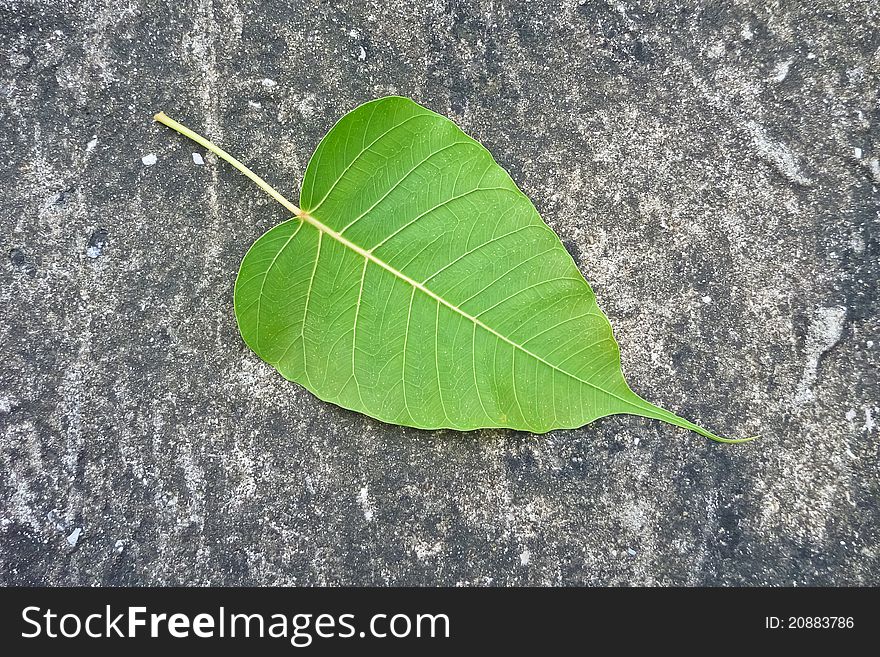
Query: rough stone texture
[712,166]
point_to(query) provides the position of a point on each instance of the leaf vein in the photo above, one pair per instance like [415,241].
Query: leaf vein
[360,154]
[400,182]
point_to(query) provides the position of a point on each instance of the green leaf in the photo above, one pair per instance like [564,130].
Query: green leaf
[418,285]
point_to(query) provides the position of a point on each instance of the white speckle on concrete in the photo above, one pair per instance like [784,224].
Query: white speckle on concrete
[851,414]
[73,538]
[366,503]
[91,145]
[811,55]
[7,403]
[873,165]
[149,159]
[255,104]
[824,332]
[780,71]
[707,299]
[308,105]
[524,557]
[746,32]
[425,550]
[776,154]
[869,420]
[354,34]
[631,552]
[362,54]
[856,74]
[198,159]
[268,83]
[715,50]
[96,245]
[119,546]
[857,153]
[54,517]
[869,344]
[19,60]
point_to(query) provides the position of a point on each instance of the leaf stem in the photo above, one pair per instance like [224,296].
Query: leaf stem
[657,413]
[161,117]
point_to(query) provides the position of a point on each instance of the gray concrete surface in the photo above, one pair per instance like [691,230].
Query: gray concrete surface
[713,167]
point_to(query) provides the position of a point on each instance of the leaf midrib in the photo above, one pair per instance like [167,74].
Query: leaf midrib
[319,225]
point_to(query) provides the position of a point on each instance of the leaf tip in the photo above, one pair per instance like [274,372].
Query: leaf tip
[734,441]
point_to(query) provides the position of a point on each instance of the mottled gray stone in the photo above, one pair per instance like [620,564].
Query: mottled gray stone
[712,166]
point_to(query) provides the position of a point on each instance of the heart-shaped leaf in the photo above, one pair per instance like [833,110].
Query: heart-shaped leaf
[417,284]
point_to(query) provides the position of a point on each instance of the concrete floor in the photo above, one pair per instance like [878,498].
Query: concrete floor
[712,167]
